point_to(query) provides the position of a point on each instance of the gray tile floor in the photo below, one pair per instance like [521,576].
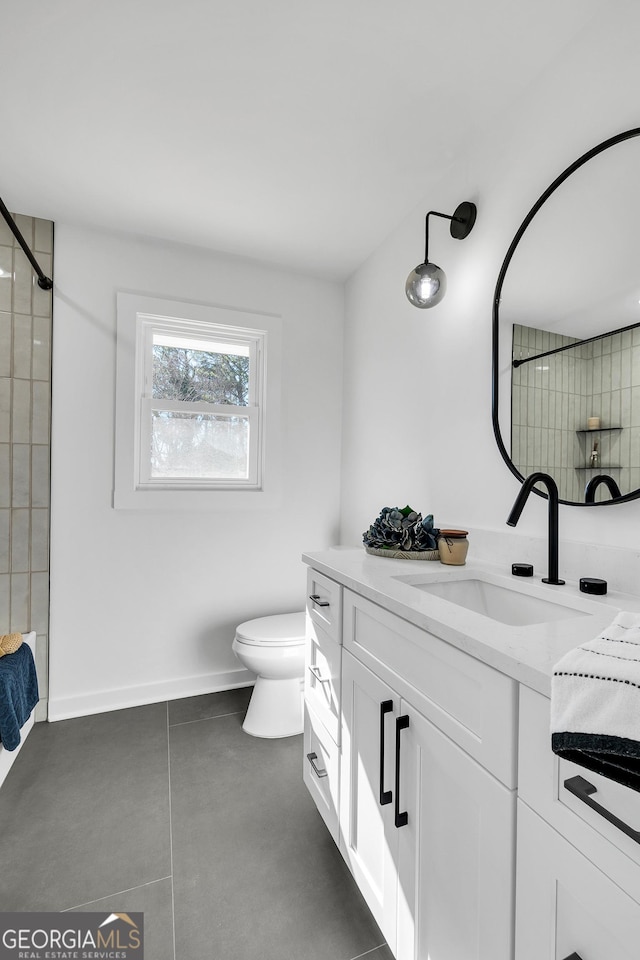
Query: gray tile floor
[172,810]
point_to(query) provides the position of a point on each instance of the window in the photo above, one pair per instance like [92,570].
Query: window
[191,400]
[200,404]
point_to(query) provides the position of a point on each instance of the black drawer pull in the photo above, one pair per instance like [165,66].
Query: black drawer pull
[318,602]
[574,956]
[312,757]
[582,789]
[385,795]
[401,819]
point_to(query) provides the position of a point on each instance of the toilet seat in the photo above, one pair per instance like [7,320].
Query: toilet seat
[282,630]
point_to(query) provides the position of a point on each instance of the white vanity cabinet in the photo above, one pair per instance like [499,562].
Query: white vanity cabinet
[468,837]
[427,831]
[323,656]
[567,908]
[578,873]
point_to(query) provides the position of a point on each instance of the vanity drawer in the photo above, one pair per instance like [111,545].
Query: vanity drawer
[565,907]
[321,769]
[324,604]
[322,677]
[541,784]
[472,703]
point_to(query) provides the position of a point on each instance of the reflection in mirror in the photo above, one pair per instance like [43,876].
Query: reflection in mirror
[571,415]
[572,274]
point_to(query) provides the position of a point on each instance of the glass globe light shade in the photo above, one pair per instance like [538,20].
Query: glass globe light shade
[426,285]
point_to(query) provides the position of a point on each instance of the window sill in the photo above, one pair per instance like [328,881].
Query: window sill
[209,501]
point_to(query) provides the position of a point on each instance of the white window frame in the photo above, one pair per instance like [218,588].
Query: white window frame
[138,319]
[255,340]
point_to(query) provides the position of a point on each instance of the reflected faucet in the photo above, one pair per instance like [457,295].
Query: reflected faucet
[518,507]
[594,483]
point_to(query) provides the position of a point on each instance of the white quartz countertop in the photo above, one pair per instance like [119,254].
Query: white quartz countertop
[526,653]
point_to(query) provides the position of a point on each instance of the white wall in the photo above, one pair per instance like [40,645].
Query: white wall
[144,605]
[417,424]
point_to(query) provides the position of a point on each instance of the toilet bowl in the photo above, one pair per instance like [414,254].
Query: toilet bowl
[273,649]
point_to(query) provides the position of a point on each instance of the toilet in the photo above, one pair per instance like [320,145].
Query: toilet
[273,649]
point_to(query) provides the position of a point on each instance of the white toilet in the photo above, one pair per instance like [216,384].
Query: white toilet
[273,649]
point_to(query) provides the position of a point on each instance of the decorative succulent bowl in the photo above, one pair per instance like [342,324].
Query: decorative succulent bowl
[402,534]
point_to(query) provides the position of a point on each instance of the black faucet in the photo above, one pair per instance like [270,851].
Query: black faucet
[594,483]
[518,507]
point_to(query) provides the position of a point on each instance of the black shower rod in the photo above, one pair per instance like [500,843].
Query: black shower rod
[570,346]
[43,281]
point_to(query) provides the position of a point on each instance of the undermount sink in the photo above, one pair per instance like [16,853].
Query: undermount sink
[497,602]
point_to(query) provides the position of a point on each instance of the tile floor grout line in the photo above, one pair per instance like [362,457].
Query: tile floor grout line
[116,894]
[367,952]
[218,716]
[173,899]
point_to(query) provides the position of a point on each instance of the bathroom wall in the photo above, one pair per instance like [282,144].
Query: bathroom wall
[417,416]
[25,403]
[144,604]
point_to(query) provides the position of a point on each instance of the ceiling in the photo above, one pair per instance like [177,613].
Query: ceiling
[295,132]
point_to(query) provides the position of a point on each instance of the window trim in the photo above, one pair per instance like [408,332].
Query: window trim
[138,317]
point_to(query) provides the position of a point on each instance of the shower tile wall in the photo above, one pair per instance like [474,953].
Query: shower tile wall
[25,415]
[553,397]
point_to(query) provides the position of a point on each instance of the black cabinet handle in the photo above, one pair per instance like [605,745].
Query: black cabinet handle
[582,789]
[318,602]
[385,795]
[574,956]
[401,819]
[312,757]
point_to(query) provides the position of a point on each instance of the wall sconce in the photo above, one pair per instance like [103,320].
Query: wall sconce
[427,284]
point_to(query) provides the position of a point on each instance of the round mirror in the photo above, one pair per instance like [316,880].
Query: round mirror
[566,331]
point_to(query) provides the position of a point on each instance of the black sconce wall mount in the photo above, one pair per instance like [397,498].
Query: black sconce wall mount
[427,284]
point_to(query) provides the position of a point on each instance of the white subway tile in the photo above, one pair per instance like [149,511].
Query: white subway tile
[23,283]
[5,475]
[40,475]
[20,541]
[5,602]
[41,409]
[40,602]
[22,346]
[39,540]
[41,361]
[5,344]
[20,613]
[21,412]
[41,304]
[21,474]
[43,235]
[5,410]
[6,278]
[5,533]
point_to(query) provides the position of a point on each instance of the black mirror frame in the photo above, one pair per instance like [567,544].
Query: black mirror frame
[600,148]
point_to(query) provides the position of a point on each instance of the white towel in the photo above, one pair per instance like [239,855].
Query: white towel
[595,703]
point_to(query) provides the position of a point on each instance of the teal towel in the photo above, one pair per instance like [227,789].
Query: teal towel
[18,694]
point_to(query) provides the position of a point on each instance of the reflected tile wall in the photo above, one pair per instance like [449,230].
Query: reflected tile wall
[552,398]
[25,415]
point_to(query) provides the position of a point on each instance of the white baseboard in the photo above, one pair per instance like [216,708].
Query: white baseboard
[103,701]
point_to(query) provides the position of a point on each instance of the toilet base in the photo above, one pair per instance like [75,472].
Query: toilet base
[275,709]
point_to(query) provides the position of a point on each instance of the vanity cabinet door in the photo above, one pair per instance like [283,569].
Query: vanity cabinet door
[368,836]
[566,906]
[456,875]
